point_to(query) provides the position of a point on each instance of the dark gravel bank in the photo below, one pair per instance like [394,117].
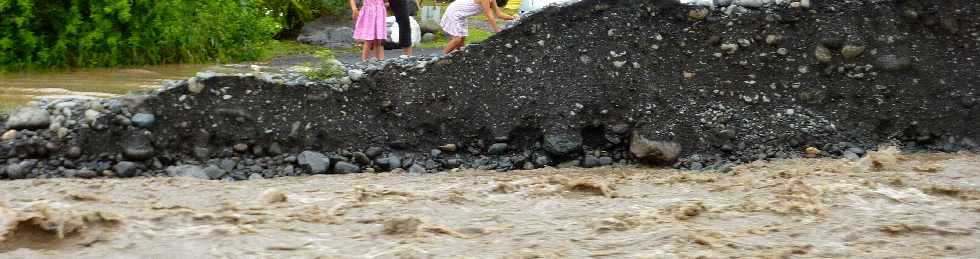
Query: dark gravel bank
[596,83]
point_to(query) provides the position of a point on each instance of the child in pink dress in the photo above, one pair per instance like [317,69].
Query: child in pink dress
[454,20]
[370,27]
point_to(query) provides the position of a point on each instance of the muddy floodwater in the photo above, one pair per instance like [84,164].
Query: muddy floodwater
[18,88]
[889,206]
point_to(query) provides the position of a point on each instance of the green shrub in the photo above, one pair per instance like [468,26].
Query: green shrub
[91,33]
[329,69]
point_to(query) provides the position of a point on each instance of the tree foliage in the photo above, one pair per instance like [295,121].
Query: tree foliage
[90,33]
[292,14]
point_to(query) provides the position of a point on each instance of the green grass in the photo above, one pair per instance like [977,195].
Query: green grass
[285,48]
[476,36]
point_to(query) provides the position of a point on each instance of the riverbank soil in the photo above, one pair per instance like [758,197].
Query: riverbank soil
[886,205]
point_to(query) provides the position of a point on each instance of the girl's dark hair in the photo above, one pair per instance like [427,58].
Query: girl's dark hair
[501,3]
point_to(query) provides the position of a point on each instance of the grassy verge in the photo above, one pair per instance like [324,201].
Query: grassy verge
[286,48]
[476,36]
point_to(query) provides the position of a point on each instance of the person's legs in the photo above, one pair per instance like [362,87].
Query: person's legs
[454,44]
[379,49]
[367,49]
[400,9]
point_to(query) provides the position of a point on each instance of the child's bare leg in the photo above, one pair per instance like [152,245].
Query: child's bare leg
[454,44]
[367,49]
[379,49]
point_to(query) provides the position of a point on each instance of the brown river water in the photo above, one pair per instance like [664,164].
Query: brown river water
[885,206]
[18,88]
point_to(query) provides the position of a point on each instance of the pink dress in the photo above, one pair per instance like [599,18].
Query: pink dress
[371,21]
[454,20]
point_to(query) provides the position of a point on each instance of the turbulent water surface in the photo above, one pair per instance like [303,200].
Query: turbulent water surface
[916,206]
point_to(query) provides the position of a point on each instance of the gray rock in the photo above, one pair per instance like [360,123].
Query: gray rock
[126,169]
[361,158]
[604,161]
[654,152]
[394,162]
[562,144]
[240,147]
[851,51]
[355,74]
[697,166]
[316,162]
[773,39]
[28,118]
[805,3]
[431,164]
[893,63]
[695,14]
[86,173]
[213,172]
[753,3]
[346,168]
[428,37]
[590,161]
[373,152]
[541,161]
[621,129]
[497,149]
[275,149]
[137,147]
[333,36]
[202,153]
[255,176]
[21,169]
[851,155]
[143,120]
[856,150]
[449,148]
[192,171]
[823,54]
[453,163]
[729,48]
[528,166]
[194,85]
[416,169]
[228,165]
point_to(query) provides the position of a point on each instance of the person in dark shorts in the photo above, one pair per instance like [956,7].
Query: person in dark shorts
[402,12]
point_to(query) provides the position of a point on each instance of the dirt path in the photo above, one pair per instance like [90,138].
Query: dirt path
[918,207]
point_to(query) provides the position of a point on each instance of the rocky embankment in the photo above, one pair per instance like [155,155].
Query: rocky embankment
[595,83]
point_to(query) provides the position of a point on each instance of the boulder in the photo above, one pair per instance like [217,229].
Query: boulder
[214,172]
[654,152]
[562,144]
[21,169]
[316,162]
[137,147]
[346,168]
[126,169]
[28,118]
[143,120]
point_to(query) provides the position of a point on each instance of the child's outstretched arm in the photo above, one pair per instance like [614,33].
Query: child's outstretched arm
[500,14]
[353,8]
[488,7]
